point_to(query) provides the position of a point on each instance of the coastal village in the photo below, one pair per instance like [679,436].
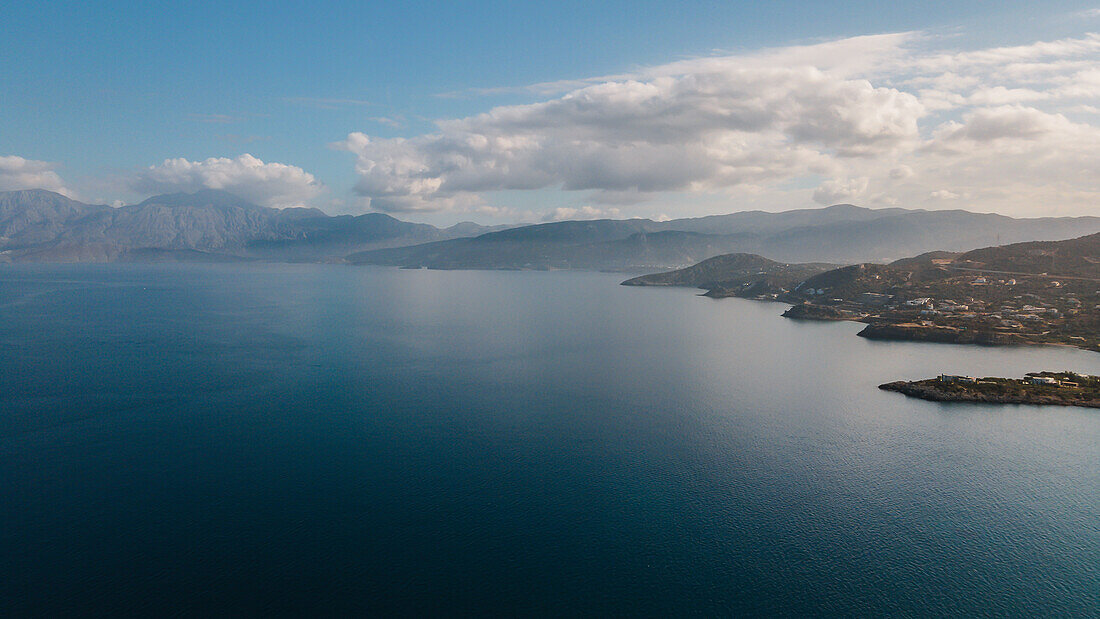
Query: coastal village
[954,305]
[1042,292]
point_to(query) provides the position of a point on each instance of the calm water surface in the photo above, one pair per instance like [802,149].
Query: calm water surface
[356,440]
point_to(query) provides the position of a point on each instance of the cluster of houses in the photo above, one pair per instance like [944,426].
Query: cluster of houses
[948,308]
[997,310]
[953,378]
[1030,379]
[984,281]
[1028,309]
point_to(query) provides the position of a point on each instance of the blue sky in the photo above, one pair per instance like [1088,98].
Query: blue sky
[95,93]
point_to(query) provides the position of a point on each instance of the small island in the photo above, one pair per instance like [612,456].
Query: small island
[1056,388]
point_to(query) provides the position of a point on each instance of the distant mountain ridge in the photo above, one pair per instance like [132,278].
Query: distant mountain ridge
[841,234]
[39,225]
[211,225]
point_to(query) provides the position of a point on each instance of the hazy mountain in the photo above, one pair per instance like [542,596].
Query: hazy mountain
[206,225]
[762,222]
[214,225]
[37,216]
[839,234]
[597,245]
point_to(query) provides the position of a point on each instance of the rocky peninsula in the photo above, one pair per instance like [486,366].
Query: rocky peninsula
[1051,388]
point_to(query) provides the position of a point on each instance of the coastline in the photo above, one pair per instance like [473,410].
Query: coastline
[994,391]
[911,332]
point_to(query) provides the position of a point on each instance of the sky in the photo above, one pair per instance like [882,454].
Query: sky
[502,112]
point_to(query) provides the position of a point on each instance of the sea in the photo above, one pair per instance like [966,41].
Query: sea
[329,440]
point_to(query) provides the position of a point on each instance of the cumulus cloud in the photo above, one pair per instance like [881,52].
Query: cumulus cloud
[584,212]
[675,133]
[834,191]
[1012,122]
[19,173]
[886,118]
[268,184]
[1025,161]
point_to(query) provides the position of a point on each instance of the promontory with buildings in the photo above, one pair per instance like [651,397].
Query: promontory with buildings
[1058,388]
[1043,292]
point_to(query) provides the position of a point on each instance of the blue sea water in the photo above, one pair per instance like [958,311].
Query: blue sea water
[332,440]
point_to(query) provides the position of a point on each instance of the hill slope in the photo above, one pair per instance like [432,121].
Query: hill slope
[735,275]
[1073,258]
[1042,292]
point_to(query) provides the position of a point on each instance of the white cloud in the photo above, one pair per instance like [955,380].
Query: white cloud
[900,172]
[886,118]
[854,55]
[989,124]
[691,132]
[1021,160]
[19,173]
[584,212]
[268,184]
[834,191]
[1083,109]
[1002,56]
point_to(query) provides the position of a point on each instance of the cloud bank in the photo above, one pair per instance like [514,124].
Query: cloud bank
[885,119]
[268,184]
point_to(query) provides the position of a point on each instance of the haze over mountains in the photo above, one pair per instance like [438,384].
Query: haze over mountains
[38,225]
[841,234]
[210,225]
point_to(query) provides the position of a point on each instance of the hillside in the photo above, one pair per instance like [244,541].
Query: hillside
[735,275]
[1073,258]
[1022,293]
[35,216]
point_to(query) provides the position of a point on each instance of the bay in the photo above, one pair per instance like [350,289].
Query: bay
[336,440]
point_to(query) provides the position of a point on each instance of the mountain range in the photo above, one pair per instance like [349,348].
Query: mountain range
[212,225]
[209,225]
[840,234]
